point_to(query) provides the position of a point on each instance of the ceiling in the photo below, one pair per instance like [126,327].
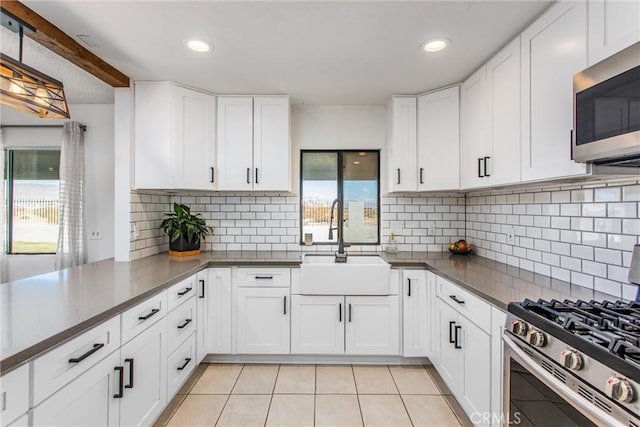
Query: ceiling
[319,52]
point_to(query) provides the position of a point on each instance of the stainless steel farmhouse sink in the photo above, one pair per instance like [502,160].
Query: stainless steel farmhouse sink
[360,275]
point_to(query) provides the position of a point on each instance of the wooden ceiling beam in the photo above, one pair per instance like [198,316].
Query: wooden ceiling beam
[54,39]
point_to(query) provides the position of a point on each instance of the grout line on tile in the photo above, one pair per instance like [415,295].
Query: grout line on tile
[400,394]
[229,396]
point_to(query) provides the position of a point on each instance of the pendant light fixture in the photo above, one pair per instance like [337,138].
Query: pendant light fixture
[25,88]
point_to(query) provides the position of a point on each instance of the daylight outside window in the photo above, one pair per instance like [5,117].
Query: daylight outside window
[353,177]
[32,197]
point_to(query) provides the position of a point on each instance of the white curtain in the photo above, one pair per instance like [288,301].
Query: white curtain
[71,245]
[4,267]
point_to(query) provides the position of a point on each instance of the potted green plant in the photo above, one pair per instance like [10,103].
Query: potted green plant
[185,230]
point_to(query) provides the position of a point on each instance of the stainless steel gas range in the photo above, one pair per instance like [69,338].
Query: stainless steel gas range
[572,363]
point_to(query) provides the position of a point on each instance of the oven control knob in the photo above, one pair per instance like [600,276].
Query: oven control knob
[519,327]
[620,389]
[571,359]
[536,338]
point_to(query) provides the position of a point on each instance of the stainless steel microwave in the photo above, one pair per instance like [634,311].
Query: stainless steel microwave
[606,111]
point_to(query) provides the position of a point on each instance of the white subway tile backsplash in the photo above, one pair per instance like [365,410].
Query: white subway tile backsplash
[607,194]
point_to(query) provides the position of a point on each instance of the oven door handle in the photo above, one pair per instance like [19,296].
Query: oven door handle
[565,392]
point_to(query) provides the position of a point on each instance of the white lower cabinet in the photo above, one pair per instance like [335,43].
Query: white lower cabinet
[357,325]
[262,320]
[14,395]
[213,307]
[448,363]
[87,401]
[180,365]
[415,313]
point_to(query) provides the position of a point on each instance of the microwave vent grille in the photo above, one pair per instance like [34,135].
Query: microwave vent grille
[629,162]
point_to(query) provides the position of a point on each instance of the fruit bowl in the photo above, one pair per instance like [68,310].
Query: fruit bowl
[461,247]
[460,251]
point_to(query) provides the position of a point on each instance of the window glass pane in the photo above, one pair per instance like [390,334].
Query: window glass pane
[319,189]
[360,197]
[34,200]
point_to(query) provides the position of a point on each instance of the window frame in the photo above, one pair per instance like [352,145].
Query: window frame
[8,202]
[340,181]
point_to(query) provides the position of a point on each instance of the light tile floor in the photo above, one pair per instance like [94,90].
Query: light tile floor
[308,395]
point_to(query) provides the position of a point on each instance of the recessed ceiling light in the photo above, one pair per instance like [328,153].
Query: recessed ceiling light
[435,45]
[198,45]
[356,163]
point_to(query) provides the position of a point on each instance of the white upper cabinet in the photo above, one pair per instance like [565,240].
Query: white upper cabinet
[401,143]
[613,26]
[253,144]
[474,146]
[174,137]
[503,88]
[554,48]
[439,140]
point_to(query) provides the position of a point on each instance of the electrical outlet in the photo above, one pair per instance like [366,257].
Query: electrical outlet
[510,234]
[95,234]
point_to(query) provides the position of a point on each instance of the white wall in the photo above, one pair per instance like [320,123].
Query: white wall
[344,127]
[99,158]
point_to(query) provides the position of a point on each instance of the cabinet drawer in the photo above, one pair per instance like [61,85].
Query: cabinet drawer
[268,277]
[14,394]
[181,323]
[181,292]
[180,365]
[58,367]
[143,315]
[465,303]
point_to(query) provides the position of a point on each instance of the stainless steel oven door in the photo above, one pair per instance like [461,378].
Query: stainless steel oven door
[533,396]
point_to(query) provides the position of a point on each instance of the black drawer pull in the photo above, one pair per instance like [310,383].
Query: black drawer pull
[453,297]
[153,312]
[264,277]
[95,348]
[120,393]
[187,290]
[451,341]
[184,365]
[349,313]
[340,312]
[455,337]
[409,292]
[130,362]
[185,324]
[202,283]
[285,306]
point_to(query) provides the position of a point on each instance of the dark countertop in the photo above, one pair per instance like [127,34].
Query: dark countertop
[43,311]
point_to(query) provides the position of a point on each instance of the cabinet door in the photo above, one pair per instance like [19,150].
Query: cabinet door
[613,25]
[87,401]
[194,115]
[503,79]
[214,303]
[401,143]
[145,367]
[475,368]
[498,319]
[262,320]
[317,324]
[447,355]
[373,325]
[432,317]
[547,89]
[271,147]
[439,140]
[473,130]
[416,314]
[235,143]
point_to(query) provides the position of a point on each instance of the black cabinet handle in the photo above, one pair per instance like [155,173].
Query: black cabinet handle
[187,290]
[349,313]
[285,306]
[95,348]
[409,292]
[455,337]
[184,365]
[212,174]
[153,312]
[248,172]
[185,324]
[486,168]
[120,393]
[421,180]
[571,143]
[398,175]
[451,341]
[202,283]
[256,175]
[264,277]
[130,362]
[453,297]
[480,175]
[340,312]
